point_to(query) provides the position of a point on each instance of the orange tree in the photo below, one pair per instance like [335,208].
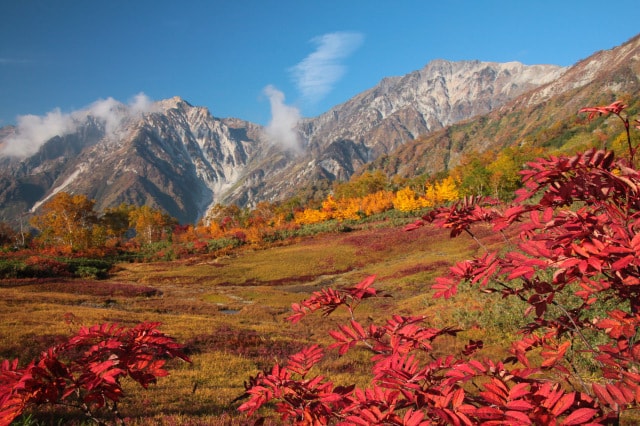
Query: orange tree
[577,268]
[66,220]
[151,225]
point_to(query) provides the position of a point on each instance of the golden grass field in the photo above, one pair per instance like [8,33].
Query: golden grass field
[230,313]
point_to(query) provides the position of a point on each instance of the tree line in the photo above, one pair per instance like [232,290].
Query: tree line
[69,222]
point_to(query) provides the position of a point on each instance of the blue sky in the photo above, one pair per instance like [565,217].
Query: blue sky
[234,56]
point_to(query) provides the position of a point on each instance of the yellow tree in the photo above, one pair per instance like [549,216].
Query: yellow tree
[309,216]
[329,206]
[472,174]
[261,220]
[66,220]
[360,186]
[150,224]
[406,200]
[377,202]
[443,191]
[447,190]
[505,169]
[347,209]
[430,196]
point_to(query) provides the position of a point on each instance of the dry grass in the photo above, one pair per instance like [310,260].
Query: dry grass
[230,312]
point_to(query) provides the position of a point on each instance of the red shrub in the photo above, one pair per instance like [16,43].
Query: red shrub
[578,256]
[86,370]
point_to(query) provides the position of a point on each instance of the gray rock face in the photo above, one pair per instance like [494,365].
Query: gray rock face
[180,158]
[398,110]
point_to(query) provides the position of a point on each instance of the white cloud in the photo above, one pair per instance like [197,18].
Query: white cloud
[316,75]
[140,104]
[109,111]
[33,131]
[281,130]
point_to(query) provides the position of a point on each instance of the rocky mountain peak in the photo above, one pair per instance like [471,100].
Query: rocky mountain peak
[175,102]
[179,157]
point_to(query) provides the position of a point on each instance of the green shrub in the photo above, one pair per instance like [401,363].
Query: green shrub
[222,243]
[11,268]
[89,268]
[89,272]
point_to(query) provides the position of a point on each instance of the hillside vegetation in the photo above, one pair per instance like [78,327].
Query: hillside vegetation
[229,310]
[549,339]
[528,316]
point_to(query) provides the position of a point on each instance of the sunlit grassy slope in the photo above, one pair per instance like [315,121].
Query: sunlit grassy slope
[230,311]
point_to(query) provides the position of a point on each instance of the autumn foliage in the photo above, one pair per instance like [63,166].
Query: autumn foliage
[572,255]
[87,370]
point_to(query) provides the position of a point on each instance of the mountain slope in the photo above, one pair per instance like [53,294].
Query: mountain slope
[174,158]
[546,116]
[182,159]
[392,113]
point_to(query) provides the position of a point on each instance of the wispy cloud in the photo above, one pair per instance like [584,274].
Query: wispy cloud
[11,61]
[281,130]
[32,131]
[316,75]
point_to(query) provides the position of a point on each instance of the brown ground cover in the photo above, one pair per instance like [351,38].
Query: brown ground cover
[230,312]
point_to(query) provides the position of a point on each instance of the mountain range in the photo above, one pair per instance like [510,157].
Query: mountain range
[179,157]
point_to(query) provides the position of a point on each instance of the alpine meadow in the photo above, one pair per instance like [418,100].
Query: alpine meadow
[456,246]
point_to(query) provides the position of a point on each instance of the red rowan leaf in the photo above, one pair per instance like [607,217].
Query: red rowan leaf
[358,421]
[304,360]
[345,340]
[563,404]
[580,416]
[635,242]
[595,263]
[445,287]
[358,328]
[106,372]
[363,289]
[541,308]
[517,418]
[477,365]
[492,398]
[489,413]
[569,263]
[414,418]
[552,357]
[296,317]
[497,387]
[519,405]
[630,390]
[519,390]
[616,394]
[623,262]
[521,271]
[458,398]
[603,395]
[349,332]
